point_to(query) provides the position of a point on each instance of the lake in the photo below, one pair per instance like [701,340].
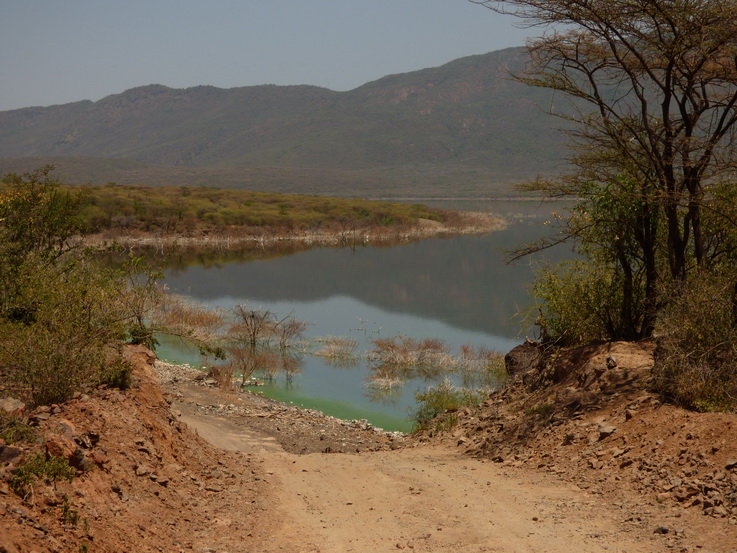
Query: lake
[458,290]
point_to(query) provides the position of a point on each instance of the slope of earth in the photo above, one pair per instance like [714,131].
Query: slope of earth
[149,484]
[586,415]
[193,468]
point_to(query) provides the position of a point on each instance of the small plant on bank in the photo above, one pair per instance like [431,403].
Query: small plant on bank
[544,410]
[437,407]
[405,351]
[223,375]
[480,367]
[695,359]
[38,466]
[69,515]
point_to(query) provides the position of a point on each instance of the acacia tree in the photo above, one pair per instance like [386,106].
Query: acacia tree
[653,83]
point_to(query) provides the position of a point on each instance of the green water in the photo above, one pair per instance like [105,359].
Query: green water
[173,351]
[335,408]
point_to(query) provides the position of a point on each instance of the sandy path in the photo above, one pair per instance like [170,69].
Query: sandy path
[429,499]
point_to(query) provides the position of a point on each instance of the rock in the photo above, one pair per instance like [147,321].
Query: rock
[88,440]
[574,399]
[142,352]
[99,458]
[731,464]
[523,359]
[661,530]
[606,430]
[61,446]
[6,546]
[12,406]
[9,454]
[685,492]
[66,427]
[142,470]
[595,464]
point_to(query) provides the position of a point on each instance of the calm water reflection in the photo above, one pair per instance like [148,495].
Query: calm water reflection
[458,290]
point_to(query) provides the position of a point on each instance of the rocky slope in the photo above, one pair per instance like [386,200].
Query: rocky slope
[144,479]
[142,476]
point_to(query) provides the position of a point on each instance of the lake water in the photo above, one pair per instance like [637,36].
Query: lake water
[458,290]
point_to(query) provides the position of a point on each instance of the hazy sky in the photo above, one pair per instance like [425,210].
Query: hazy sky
[58,51]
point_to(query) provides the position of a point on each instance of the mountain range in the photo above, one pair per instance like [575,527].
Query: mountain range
[465,128]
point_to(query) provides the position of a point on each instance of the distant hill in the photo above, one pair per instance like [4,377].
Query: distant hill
[461,129]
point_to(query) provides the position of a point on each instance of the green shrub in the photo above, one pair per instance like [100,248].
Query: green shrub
[577,303]
[544,410]
[117,374]
[77,311]
[69,515]
[39,467]
[437,406]
[60,310]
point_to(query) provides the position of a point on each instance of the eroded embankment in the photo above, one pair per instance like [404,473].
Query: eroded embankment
[587,415]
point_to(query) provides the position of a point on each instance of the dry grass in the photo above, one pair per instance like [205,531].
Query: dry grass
[403,351]
[337,349]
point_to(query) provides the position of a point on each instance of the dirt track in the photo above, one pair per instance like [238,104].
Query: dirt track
[426,498]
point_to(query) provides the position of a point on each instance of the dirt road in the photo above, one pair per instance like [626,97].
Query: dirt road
[426,498]
[275,478]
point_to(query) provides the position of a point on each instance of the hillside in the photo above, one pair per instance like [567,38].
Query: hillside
[461,129]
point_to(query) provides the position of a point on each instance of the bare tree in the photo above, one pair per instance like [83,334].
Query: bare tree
[250,342]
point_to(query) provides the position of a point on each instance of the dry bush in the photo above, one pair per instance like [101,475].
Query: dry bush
[406,351]
[338,349]
[288,331]
[250,340]
[180,316]
[697,344]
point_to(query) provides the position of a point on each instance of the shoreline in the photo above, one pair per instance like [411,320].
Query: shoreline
[469,223]
[297,429]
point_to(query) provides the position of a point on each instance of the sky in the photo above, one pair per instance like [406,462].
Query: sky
[60,51]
